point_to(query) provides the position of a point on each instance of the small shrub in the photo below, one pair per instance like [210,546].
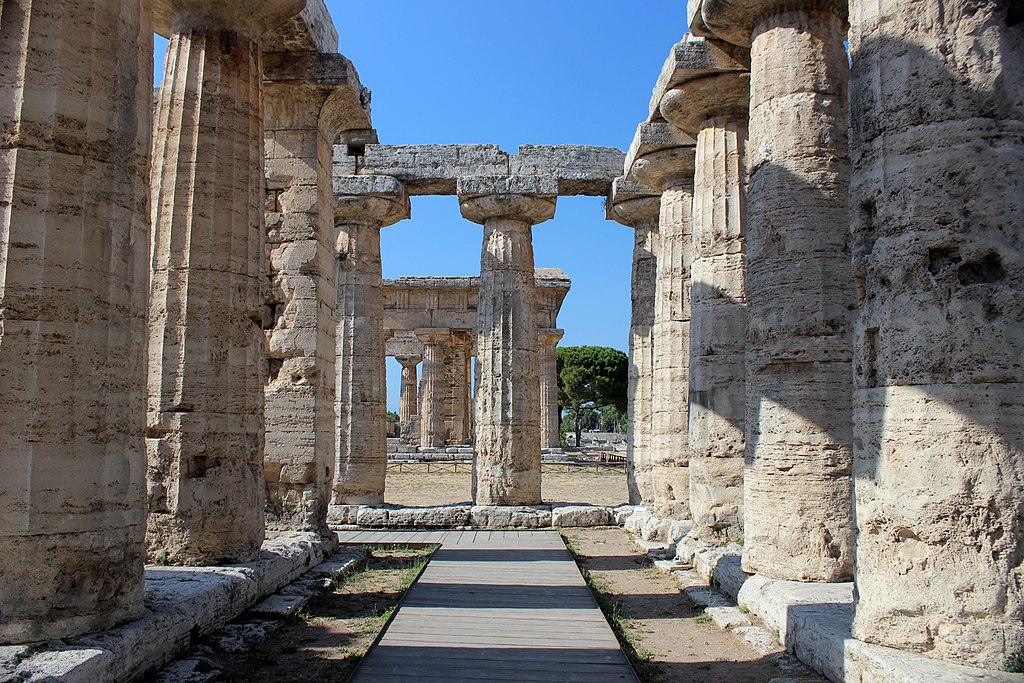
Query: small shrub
[703,618]
[1015,664]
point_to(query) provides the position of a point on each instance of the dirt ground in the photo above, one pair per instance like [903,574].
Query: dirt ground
[661,623]
[418,489]
[327,640]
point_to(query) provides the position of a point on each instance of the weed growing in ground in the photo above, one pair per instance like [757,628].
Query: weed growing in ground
[703,618]
[1015,664]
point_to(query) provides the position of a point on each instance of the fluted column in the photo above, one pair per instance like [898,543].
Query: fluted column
[75,103]
[507,466]
[206,346]
[408,405]
[797,483]
[550,420]
[938,210]
[638,207]
[364,205]
[433,387]
[713,108]
[671,171]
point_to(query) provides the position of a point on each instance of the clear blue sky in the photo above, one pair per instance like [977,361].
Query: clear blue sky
[511,73]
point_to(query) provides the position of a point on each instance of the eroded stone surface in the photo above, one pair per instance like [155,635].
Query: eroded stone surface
[74,173]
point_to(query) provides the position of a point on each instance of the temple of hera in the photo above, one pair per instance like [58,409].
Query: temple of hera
[827,337]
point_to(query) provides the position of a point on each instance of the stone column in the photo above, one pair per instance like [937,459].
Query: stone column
[75,101]
[365,204]
[797,483]
[938,201]
[307,100]
[638,207]
[507,466]
[713,108]
[457,400]
[550,420]
[671,171]
[206,345]
[408,405]
[433,387]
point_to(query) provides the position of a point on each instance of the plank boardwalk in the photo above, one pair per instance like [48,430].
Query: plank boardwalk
[493,606]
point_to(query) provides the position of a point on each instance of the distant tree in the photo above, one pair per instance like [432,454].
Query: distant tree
[589,378]
[392,416]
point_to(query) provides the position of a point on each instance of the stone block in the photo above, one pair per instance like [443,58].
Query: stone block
[430,518]
[580,169]
[474,186]
[372,517]
[580,515]
[623,512]
[342,514]
[502,516]
[282,605]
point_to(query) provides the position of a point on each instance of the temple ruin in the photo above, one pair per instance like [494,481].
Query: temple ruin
[826,347]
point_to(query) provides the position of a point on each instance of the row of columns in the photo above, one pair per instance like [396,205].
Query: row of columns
[452,385]
[843,403]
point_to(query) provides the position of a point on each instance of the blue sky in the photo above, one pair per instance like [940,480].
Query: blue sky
[511,73]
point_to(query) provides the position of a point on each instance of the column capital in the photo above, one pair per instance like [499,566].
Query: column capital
[523,198]
[251,19]
[734,20]
[632,204]
[434,335]
[376,200]
[409,361]
[691,104]
[664,168]
[322,88]
[550,336]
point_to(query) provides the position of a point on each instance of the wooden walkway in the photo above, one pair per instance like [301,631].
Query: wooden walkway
[493,606]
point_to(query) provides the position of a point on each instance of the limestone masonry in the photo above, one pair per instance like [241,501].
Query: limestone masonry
[826,380]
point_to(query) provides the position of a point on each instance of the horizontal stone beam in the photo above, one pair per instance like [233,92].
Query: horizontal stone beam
[553,278]
[436,169]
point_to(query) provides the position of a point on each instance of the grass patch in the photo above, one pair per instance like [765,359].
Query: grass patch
[744,609]
[626,630]
[1015,664]
[702,618]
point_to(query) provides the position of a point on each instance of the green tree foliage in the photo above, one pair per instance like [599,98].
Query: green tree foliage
[591,378]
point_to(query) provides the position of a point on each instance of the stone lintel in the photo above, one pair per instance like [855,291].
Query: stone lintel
[553,278]
[433,335]
[654,137]
[436,169]
[630,202]
[693,58]
[312,30]
[332,81]
[528,185]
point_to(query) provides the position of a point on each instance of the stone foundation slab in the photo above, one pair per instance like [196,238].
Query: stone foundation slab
[478,516]
[181,603]
[813,621]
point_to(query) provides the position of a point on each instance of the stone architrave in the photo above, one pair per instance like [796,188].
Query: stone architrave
[506,470]
[797,497]
[639,207]
[206,346]
[75,102]
[363,205]
[712,106]
[938,201]
[550,420]
[670,170]
[308,100]
[433,387]
[408,405]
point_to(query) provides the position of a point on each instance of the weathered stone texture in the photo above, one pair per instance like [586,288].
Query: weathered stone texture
[205,445]
[550,419]
[797,483]
[299,395]
[75,102]
[432,387]
[458,360]
[718,333]
[671,170]
[507,466]
[408,406]
[363,207]
[636,206]
[938,196]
